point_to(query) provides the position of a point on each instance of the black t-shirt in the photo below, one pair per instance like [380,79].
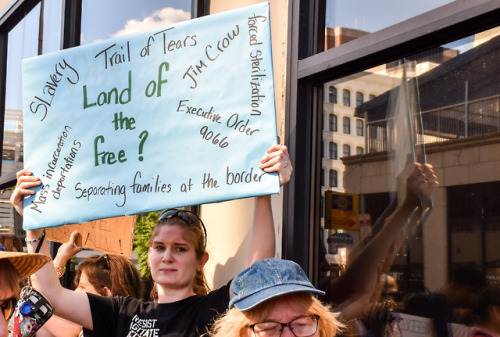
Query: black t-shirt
[128,316]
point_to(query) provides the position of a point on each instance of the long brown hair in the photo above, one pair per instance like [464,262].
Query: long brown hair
[197,237]
[10,276]
[11,243]
[115,272]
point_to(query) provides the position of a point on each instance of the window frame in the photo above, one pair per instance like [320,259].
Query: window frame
[360,98]
[309,68]
[333,151]
[333,173]
[346,125]
[333,123]
[332,94]
[360,127]
[346,150]
[346,97]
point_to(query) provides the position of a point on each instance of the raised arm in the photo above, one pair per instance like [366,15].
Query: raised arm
[65,252]
[262,242]
[68,304]
[359,281]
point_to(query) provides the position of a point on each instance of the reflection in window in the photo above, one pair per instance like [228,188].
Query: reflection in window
[22,43]
[368,17]
[332,94]
[133,16]
[333,150]
[333,176]
[471,109]
[346,97]
[473,223]
[457,102]
[347,125]
[347,150]
[360,98]
[52,19]
[359,127]
[332,122]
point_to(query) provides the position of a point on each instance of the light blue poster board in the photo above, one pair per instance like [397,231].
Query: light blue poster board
[164,118]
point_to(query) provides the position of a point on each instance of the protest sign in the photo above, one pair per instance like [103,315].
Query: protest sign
[111,235]
[170,117]
[403,325]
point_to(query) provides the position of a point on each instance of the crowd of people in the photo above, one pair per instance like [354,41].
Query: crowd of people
[270,298]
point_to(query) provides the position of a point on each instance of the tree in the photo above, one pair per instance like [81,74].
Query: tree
[143,229]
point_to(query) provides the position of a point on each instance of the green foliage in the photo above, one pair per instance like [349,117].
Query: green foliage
[143,228]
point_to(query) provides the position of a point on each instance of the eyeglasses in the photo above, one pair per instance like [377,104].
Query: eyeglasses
[8,306]
[106,258]
[303,326]
[188,216]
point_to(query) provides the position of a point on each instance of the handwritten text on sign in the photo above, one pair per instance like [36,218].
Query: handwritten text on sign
[176,116]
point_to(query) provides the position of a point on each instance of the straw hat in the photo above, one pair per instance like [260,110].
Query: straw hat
[25,263]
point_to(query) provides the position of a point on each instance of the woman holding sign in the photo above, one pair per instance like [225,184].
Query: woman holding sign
[176,258]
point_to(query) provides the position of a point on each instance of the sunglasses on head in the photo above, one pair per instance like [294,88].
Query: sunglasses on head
[188,217]
[8,306]
[106,258]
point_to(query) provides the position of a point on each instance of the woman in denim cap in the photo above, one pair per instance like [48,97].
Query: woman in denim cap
[274,298]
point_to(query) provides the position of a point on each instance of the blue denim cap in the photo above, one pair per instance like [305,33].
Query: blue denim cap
[267,279]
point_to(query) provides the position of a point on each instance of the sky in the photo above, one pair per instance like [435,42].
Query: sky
[373,15]
[130,16]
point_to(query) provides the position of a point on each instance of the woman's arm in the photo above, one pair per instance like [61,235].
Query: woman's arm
[56,326]
[262,242]
[68,304]
[360,279]
[65,252]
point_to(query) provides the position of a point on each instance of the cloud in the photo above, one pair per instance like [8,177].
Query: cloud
[159,18]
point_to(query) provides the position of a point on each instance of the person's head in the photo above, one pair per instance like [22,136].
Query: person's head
[177,251]
[275,298]
[108,275]
[487,307]
[14,266]
[11,243]
[466,284]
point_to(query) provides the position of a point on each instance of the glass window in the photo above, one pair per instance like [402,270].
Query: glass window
[333,178]
[332,122]
[347,125]
[347,150]
[346,97]
[22,43]
[348,20]
[360,128]
[474,227]
[360,98]
[332,94]
[333,150]
[52,19]
[457,103]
